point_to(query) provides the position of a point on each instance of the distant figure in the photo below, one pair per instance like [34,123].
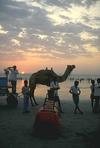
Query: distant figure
[54,85]
[46,68]
[97,96]
[51,68]
[92,86]
[13,77]
[75,91]
[26,94]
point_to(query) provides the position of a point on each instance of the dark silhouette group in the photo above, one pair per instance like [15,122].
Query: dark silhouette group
[54,87]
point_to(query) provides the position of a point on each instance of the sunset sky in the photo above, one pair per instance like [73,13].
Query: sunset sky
[35,34]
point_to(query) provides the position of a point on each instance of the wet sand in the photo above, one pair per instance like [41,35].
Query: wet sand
[77,131]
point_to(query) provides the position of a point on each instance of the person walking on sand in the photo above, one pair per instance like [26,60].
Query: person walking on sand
[13,77]
[75,91]
[26,94]
[97,96]
[92,86]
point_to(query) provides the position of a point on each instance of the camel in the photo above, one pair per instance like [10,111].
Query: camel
[43,77]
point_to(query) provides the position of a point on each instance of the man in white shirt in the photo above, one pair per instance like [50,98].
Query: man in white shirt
[92,94]
[13,77]
[54,85]
[97,96]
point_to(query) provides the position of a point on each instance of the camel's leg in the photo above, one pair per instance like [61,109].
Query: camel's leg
[31,101]
[32,98]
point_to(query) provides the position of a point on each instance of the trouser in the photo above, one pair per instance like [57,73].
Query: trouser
[13,83]
[97,105]
[92,101]
[76,102]
[26,103]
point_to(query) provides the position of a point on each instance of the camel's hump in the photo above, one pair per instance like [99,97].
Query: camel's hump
[44,72]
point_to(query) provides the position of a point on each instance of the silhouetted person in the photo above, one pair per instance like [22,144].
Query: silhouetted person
[75,91]
[97,96]
[92,87]
[46,68]
[54,85]
[13,77]
[26,94]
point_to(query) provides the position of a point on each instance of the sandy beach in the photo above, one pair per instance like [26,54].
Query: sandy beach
[77,131]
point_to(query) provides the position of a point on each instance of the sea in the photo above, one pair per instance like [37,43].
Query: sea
[41,90]
[84,84]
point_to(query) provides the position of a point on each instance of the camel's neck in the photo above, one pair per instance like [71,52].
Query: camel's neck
[65,75]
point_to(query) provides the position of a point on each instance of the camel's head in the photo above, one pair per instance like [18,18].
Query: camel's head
[70,67]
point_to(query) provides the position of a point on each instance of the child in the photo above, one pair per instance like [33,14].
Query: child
[75,91]
[26,93]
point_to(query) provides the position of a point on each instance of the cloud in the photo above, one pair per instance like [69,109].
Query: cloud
[41,36]
[22,33]
[91,49]
[15,42]
[2,31]
[48,28]
[87,36]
